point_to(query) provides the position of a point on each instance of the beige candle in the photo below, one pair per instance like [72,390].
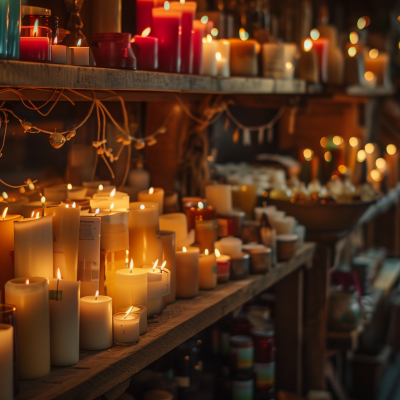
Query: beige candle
[105,201]
[207,271]
[177,222]
[244,57]
[187,273]
[169,255]
[209,65]
[6,362]
[219,197]
[31,298]
[153,195]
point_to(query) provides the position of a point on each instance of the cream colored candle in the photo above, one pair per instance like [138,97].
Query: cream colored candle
[66,223]
[31,298]
[76,192]
[141,312]
[130,287]
[219,197]
[126,328]
[209,65]
[80,56]
[33,247]
[56,194]
[6,249]
[392,162]
[207,271]
[158,281]
[155,306]
[33,207]
[169,255]
[95,331]
[244,57]
[6,362]
[187,273]
[273,60]
[153,195]
[177,222]
[223,59]
[64,322]
[229,245]
[145,245]
[378,63]
[103,201]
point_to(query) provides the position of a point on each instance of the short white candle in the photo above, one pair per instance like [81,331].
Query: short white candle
[223,58]
[187,273]
[58,54]
[79,56]
[229,245]
[158,281]
[92,187]
[103,201]
[169,255]
[207,271]
[6,362]
[95,322]
[155,195]
[126,328]
[220,197]
[139,310]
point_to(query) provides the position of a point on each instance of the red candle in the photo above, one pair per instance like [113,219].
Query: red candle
[147,58]
[321,48]
[167,29]
[199,213]
[35,43]
[143,13]
[199,33]
[188,10]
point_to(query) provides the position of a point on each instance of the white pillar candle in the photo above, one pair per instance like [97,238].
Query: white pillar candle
[153,195]
[79,56]
[209,65]
[223,59]
[169,255]
[103,201]
[126,328]
[145,245]
[64,322]
[229,245]
[33,207]
[155,306]
[220,197]
[66,224]
[207,271]
[273,56]
[6,362]
[31,298]
[130,287]
[187,273]
[140,311]
[33,247]
[158,282]
[93,186]
[58,54]
[177,222]
[95,331]
[259,211]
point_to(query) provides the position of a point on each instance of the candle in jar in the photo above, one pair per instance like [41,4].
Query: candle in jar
[378,63]
[206,234]
[141,312]
[177,222]
[392,162]
[130,287]
[6,362]
[95,331]
[209,65]
[207,271]
[154,195]
[31,298]
[219,197]
[79,55]
[199,32]
[64,321]
[167,28]
[187,273]
[147,58]
[35,43]
[126,328]
[169,255]
[103,201]
[244,57]
[321,48]
[200,213]
[229,245]
[223,56]
[33,247]
[308,64]
[223,267]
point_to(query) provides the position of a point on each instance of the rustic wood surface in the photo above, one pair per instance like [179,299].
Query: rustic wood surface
[98,372]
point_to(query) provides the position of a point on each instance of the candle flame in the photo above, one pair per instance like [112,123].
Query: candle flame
[27,282]
[55,40]
[155,265]
[200,205]
[79,43]
[352,51]
[315,34]
[217,253]
[289,65]
[5,195]
[69,186]
[112,207]
[97,292]
[308,44]
[391,149]
[131,266]
[218,55]
[146,32]
[369,148]
[128,312]
[74,205]
[142,206]
[204,40]
[163,265]
[101,187]
[96,212]
[37,215]
[206,252]
[33,214]
[166,5]
[308,154]
[182,1]
[112,194]
[151,190]
[35,28]
[67,206]
[5,213]
[209,38]
[337,140]
[58,274]
[243,34]
[375,175]
[184,249]
[43,200]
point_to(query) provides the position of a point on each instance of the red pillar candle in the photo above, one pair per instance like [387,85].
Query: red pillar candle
[188,10]
[167,29]
[321,48]
[147,58]
[199,213]
[199,32]
[35,43]
[143,14]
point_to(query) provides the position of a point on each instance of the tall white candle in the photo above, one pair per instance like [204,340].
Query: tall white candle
[64,322]
[6,362]
[220,197]
[187,273]
[103,201]
[33,247]
[31,298]
[95,331]
[153,195]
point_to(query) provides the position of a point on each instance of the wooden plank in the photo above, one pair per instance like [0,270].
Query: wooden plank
[98,372]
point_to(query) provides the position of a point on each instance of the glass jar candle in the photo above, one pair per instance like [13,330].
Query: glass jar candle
[35,43]
[49,21]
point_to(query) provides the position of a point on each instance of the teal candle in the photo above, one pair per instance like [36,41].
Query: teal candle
[10,27]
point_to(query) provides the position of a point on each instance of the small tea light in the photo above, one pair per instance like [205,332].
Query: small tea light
[140,311]
[126,328]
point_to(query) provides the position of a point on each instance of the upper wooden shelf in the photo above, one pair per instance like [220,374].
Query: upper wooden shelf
[98,372]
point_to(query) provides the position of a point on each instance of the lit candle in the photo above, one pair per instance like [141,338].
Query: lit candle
[6,362]
[199,32]
[321,48]
[219,197]
[14,204]
[370,81]
[187,272]
[147,57]
[169,255]
[308,64]
[207,271]
[66,223]
[223,58]
[244,57]
[209,66]
[206,234]
[35,43]
[223,267]
[95,330]
[153,195]
[31,298]
[103,201]
[392,162]
[177,222]
[167,28]
[126,328]
[229,245]
[79,55]
[201,212]
[130,287]
[141,312]
[378,63]
[33,247]
[144,241]
[64,321]
[7,248]
[58,53]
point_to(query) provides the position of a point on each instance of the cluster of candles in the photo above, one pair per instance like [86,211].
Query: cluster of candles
[90,271]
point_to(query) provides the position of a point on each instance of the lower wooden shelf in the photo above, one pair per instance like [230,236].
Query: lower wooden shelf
[98,372]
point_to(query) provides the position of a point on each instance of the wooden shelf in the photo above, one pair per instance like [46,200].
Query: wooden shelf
[98,372]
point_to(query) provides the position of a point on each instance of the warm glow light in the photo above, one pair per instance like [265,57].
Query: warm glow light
[361,23]
[163,265]
[308,44]
[354,38]
[5,195]
[112,194]
[79,43]
[244,188]
[217,253]
[131,266]
[206,252]
[243,34]
[146,32]
[374,53]
[27,282]
[142,206]
[391,149]
[352,51]
[5,213]
[37,215]
[155,265]
[209,38]
[43,200]
[67,206]
[58,274]
[381,164]
[214,32]
[112,207]
[31,186]
[289,65]
[130,308]
[184,249]
[182,1]
[69,186]
[369,76]
[101,187]
[151,190]
[218,55]
[97,211]
[315,34]
[200,205]
[328,156]
[166,5]
[33,214]
[342,169]
[323,142]
[375,175]
[361,156]
[353,141]
[369,148]
[308,154]
[337,140]
[96,295]
[73,205]
[204,19]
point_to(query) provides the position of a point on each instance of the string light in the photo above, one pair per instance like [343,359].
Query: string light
[352,51]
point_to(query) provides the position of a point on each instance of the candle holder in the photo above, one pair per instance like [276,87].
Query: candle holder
[75,25]
[126,329]
[35,43]
[139,310]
